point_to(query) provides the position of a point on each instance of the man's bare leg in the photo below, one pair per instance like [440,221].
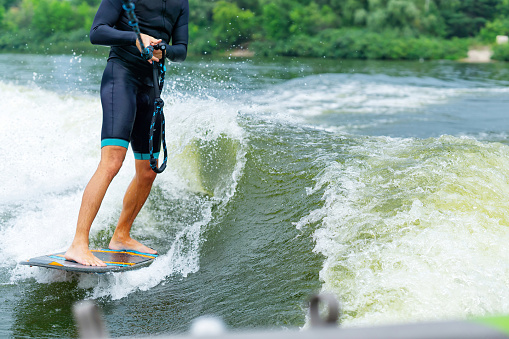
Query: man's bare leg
[134,199]
[112,158]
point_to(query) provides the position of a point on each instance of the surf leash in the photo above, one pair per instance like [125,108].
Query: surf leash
[159,72]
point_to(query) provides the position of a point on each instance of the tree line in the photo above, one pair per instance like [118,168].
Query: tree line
[362,29]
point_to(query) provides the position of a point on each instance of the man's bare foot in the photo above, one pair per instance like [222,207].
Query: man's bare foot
[83,255]
[129,244]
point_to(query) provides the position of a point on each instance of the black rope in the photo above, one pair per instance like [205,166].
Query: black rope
[128,5]
[159,72]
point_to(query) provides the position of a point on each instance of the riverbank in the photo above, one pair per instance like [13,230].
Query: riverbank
[332,45]
[481,54]
[340,30]
[343,43]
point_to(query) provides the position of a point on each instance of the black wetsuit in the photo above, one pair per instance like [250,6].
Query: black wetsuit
[127,87]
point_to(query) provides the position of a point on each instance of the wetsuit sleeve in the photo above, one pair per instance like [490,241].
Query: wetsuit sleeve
[180,36]
[103,31]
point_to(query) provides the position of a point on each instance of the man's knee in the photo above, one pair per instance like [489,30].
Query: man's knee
[111,167]
[147,176]
[112,158]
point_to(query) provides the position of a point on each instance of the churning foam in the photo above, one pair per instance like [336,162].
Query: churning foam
[190,121]
[415,229]
[47,153]
[50,150]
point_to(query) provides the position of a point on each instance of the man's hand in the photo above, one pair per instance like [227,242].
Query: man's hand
[150,41]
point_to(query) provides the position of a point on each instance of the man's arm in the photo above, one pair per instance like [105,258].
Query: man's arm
[103,31]
[179,37]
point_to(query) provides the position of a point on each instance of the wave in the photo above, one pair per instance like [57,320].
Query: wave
[339,94]
[414,229]
[51,150]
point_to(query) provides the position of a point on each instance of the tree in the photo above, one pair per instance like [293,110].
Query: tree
[353,12]
[466,18]
[87,13]
[503,9]
[499,26]
[312,19]
[232,25]
[54,16]
[91,3]
[252,5]
[7,3]
[19,17]
[401,13]
[200,12]
[276,19]
[2,14]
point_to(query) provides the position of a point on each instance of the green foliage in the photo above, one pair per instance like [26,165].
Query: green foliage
[202,40]
[276,19]
[465,18]
[501,52]
[7,3]
[311,19]
[52,16]
[412,18]
[499,26]
[20,17]
[502,9]
[365,29]
[361,44]
[353,12]
[89,3]
[200,13]
[401,13]
[231,25]
[16,40]
[252,5]
[87,14]
[46,17]
[2,14]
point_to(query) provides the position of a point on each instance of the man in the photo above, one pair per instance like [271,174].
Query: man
[127,99]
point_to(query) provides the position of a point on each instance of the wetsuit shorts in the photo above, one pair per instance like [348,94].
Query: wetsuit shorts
[128,106]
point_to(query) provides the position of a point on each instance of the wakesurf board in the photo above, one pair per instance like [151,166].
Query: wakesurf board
[116,261]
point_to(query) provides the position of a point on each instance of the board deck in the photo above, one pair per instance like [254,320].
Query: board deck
[116,261]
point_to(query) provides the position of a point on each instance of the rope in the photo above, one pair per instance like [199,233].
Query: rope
[159,72]
[128,6]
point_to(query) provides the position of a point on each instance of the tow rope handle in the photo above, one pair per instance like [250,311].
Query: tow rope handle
[159,71]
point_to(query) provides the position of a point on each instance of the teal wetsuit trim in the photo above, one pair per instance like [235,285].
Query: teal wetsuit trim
[144,156]
[114,142]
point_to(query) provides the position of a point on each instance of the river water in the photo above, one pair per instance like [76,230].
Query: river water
[385,183]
